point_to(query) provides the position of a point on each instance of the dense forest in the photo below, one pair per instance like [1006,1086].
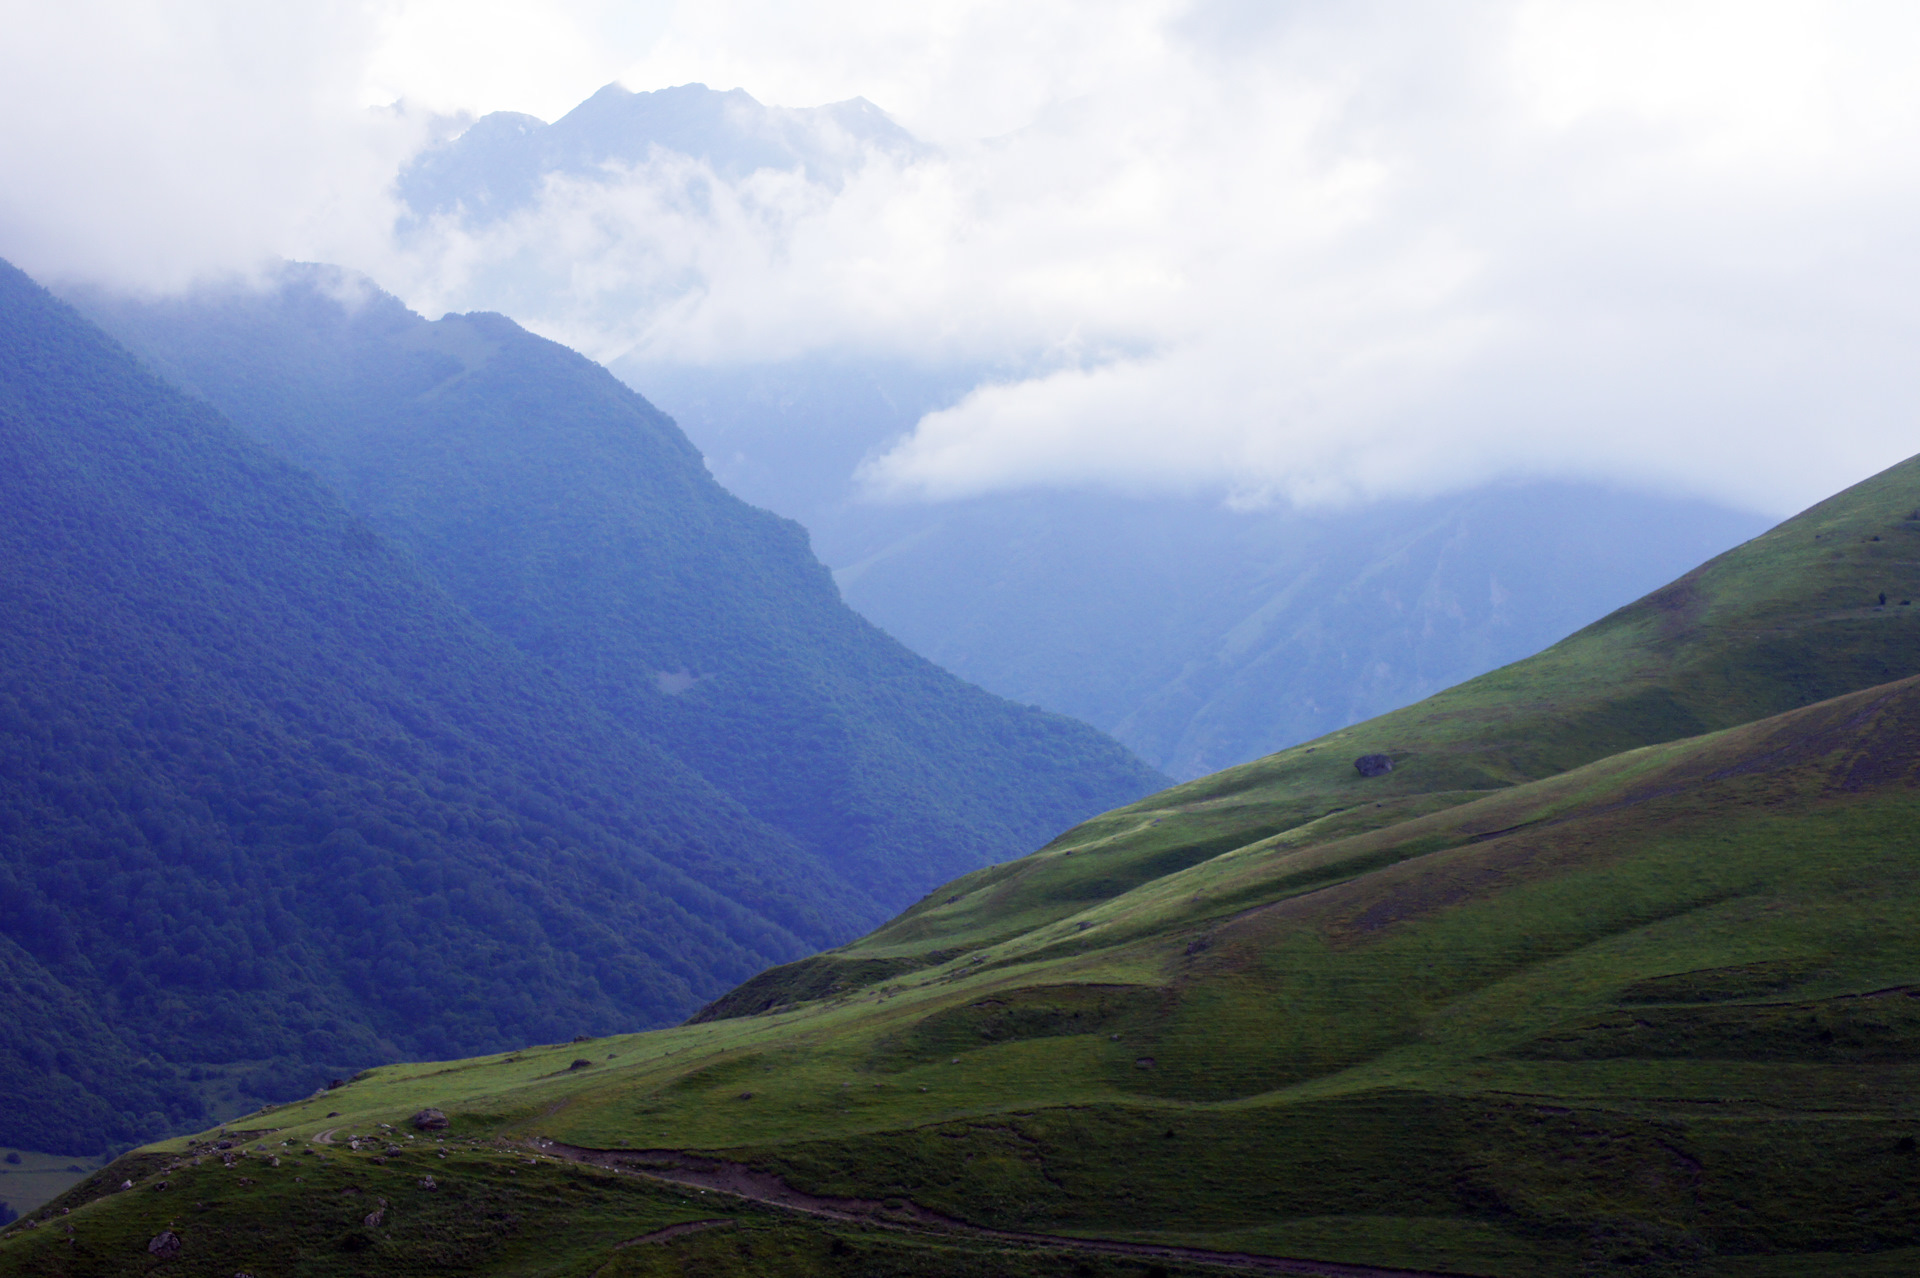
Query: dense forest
[579,525]
[275,807]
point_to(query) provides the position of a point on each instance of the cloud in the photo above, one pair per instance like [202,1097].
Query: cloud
[1313,252]
[152,142]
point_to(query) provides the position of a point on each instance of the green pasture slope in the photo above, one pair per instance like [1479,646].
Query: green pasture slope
[1617,972]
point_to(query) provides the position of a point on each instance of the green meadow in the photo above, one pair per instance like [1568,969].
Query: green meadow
[1618,971]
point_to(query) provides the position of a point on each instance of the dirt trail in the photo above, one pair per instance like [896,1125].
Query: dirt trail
[675,1231]
[740,1181]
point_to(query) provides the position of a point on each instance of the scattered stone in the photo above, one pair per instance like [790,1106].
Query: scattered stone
[1145,1062]
[165,1244]
[427,1182]
[126,1184]
[430,1120]
[374,1218]
[1373,765]
[1199,945]
[160,1186]
[746,1095]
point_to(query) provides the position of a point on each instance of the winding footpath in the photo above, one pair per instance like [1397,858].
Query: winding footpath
[737,1180]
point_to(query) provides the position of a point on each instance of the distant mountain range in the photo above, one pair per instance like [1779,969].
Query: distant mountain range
[449,705]
[497,166]
[1602,963]
[1198,636]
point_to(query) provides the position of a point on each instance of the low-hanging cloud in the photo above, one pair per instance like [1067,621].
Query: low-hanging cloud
[1305,252]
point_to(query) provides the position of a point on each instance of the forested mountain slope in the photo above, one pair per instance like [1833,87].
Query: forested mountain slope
[1653,1013]
[268,798]
[581,527]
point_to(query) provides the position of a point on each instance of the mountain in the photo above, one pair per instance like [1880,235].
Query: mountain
[1199,636]
[277,805]
[1614,972]
[271,801]
[499,165]
[581,528]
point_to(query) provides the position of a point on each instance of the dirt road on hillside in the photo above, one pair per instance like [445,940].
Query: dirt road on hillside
[737,1180]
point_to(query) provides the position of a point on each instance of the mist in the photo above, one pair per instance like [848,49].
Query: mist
[1310,254]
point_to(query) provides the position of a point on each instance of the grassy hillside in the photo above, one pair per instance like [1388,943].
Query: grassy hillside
[1787,619]
[1659,1014]
[272,807]
[578,524]
[1656,1012]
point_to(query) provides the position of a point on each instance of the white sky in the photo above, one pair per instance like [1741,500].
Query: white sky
[1317,251]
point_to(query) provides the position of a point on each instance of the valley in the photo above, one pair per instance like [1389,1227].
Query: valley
[1613,972]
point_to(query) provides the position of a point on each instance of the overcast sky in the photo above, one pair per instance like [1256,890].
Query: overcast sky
[1296,251]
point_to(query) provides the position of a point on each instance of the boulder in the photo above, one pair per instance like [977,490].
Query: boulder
[430,1120]
[165,1244]
[1373,765]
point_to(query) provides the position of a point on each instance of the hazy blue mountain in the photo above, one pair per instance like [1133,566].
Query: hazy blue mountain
[269,797]
[1198,636]
[578,524]
[496,167]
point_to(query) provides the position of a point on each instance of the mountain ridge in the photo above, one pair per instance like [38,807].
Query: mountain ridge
[1655,1010]
[274,805]
[582,527]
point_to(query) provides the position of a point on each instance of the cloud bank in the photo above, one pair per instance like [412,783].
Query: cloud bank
[1310,252]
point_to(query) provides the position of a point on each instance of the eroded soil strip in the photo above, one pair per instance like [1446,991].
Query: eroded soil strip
[740,1181]
[675,1231]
